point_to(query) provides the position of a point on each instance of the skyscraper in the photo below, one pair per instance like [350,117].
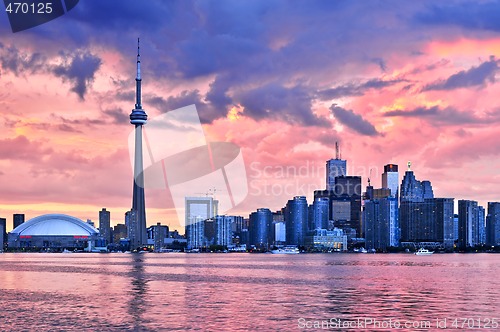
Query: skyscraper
[470,217]
[131,224]
[335,167]
[493,224]
[390,179]
[412,189]
[105,226]
[259,228]
[296,220]
[320,213]
[18,219]
[381,223]
[138,118]
[223,230]
[3,232]
[197,210]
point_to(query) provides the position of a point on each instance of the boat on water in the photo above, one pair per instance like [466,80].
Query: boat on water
[286,250]
[360,250]
[423,252]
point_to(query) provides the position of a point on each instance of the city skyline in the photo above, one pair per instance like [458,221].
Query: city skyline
[414,82]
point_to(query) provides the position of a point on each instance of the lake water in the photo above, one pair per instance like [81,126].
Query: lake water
[265,292]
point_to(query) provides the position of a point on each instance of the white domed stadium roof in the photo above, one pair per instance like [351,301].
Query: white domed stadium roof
[55,225]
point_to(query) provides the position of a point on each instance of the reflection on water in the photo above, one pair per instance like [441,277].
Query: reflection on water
[138,291]
[165,292]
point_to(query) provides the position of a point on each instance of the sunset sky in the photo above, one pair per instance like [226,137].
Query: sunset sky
[391,81]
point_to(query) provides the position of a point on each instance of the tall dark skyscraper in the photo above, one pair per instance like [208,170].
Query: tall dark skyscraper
[105,225]
[470,224]
[390,179]
[320,213]
[138,118]
[296,220]
[259,228]
[18,219]
[335,167]
[3,232]
[493,224]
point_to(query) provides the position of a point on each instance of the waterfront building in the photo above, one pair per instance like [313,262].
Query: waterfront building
[3,226]
[119,232]
[157,235]
[197,210]
[390,179]
[238,225]
[493,224]
[195,233]
[279,233]
[323,239]
[131,220]
[381,223]
[428,221]
[296,220]
[424,218]
[138,118]
[18,219]
[470,218]
[320,213]
[481,225]
[105,226]
[259,227]
[223,230]
[54,232]
[347,189]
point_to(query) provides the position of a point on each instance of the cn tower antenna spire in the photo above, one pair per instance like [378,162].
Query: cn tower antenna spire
[138,80]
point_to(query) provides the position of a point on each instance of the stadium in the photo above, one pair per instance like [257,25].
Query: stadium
[53,232]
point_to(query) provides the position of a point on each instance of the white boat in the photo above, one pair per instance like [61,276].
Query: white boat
[423,252]
[286,250]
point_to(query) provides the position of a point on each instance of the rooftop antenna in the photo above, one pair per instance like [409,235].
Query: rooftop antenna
[409,165]
[337,153]
[369,177]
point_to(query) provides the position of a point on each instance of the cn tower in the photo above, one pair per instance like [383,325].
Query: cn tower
[138,118]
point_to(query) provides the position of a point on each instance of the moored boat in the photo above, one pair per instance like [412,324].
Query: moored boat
[423,252]
[286,250]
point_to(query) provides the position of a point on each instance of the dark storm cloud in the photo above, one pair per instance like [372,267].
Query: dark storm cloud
[353,89]
[475,76]
[78,68]
[417,112]
[353,121]
[276,101]
[17,62]
[117,115]
[467,14]
[206,111]
[447,116]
